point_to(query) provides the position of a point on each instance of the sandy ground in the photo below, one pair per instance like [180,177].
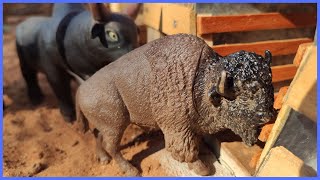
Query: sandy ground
[37,141]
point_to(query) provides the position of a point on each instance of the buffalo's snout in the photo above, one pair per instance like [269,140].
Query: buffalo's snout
[265,117]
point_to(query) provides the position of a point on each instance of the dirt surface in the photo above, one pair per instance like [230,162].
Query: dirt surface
[37,141]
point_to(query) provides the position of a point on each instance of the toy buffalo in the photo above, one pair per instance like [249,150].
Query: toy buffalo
[72,43]
[179,85]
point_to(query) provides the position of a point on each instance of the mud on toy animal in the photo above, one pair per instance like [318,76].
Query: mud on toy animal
[179,85]
[72,43]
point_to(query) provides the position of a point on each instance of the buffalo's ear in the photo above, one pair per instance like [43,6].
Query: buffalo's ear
[132,10]
[100,12]
[268,57]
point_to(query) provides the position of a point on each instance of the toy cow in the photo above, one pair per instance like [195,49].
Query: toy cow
[179,85]
[73,43]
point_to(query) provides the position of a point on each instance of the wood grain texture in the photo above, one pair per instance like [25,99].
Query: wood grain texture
[283,72]
[300,52]
[251,22]
[153,34]
[277,47]
[279,100]
[302,94]
[152,15]
[178,19]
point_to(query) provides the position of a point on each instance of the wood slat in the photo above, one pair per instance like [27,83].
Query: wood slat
[277,47]
[152,15]
[278,101]
[178,19]
[300,53]
[251,22]
[283,72]
[302,95]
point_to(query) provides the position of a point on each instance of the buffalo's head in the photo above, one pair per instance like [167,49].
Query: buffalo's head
[243,93]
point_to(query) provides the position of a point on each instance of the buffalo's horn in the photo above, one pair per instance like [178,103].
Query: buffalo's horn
[268,56]
[100,12]
[222,82]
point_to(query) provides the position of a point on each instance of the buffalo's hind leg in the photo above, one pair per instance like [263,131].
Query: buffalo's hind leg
[102,155]
[30,76]
[111,141]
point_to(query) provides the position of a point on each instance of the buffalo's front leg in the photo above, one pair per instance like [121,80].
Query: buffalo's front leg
[184,147]
[59,81]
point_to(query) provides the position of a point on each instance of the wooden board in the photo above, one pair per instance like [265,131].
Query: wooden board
[300,97]
[152,15]
[275,132]
[153,34]
[302,94]
[279,99]
[178,19]
[281,162]
[208,38]
[277,47]
[283,72]
[251,22]
[300,52]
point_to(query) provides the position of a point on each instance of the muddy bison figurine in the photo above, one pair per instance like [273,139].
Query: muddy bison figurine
[72,43]
[179,85]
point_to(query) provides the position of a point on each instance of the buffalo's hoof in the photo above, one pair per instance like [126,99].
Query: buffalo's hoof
[199,168]
[103,159]
[132,172]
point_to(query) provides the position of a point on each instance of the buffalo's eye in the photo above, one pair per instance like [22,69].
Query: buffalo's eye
[112,36]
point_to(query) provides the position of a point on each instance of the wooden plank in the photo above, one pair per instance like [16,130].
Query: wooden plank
[300,52]
[280,162]
[277,47]
[251,22]
[178,19]
[115,7]
[275,132]
[283,72]
[208,38]
[153,34]
[279,100]
[302,94]
[152,15]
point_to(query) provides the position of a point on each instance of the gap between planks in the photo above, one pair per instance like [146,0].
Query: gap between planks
[251,22]
[277,47]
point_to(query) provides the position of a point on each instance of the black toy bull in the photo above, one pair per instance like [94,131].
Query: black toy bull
[72,43]
[179,85]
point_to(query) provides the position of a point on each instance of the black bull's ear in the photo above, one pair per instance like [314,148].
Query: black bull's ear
[100,12]
[98,31]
